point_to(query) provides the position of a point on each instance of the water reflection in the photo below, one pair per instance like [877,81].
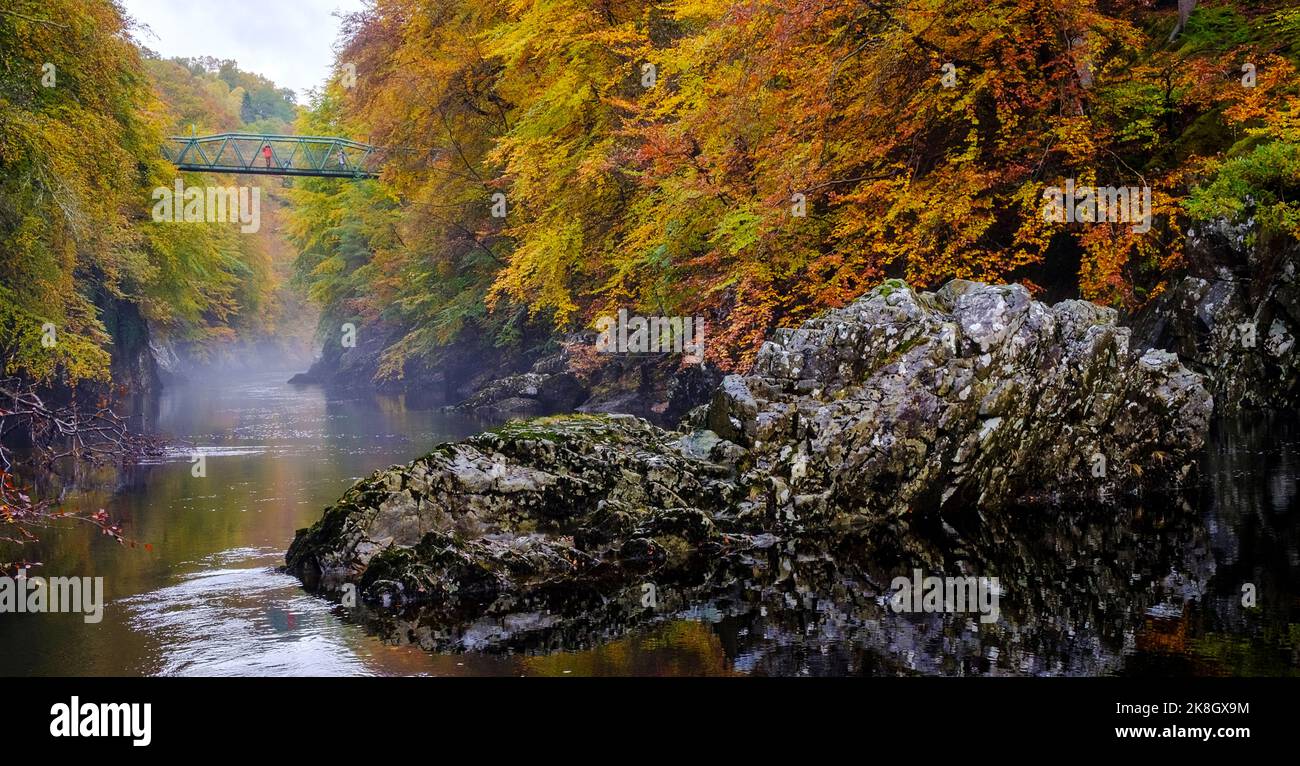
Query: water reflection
[203,597]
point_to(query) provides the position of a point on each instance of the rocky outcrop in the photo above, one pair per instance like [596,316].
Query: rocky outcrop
[169,363]
[899,408]
[1235,319]
[458,370]
[548,387]
[973,395]
[353,366]
[541,375]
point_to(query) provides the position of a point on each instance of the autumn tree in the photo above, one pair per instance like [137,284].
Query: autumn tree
[755,163]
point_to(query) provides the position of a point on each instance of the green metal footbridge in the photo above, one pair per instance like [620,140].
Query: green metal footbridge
[274,155]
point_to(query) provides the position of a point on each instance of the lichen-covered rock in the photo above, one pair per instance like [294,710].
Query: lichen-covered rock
[903,404]
[501,514]
[973,395]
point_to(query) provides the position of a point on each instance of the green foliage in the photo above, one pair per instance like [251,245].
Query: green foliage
[1215,28]
[1261,186]
[343,231]
[239,293]
[79,159]
[73,358]
[74,173]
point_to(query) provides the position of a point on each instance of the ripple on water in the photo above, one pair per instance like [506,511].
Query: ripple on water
[186,454]
[248,620]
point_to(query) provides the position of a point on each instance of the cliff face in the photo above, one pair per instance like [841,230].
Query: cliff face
[497,383]
[657,388]
[902,406]
[133,367]
[455,373]
[1235,318]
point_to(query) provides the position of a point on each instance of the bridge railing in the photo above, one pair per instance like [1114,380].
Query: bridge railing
[319,156]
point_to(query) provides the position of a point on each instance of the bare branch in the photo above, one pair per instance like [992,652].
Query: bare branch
[56,433]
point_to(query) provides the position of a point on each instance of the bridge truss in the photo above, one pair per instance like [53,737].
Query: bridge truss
[314,156]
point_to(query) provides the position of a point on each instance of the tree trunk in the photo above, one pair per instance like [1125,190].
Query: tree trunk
[1185,8]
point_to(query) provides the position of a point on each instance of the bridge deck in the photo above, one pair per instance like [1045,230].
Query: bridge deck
[314,156]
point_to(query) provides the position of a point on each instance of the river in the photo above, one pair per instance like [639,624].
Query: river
[1152,589]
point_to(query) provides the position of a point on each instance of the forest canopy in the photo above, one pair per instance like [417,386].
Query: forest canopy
[552,161]
[754,163]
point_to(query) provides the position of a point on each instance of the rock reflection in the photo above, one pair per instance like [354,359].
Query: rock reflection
[1154,587]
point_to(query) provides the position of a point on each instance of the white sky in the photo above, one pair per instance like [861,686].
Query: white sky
[289,41]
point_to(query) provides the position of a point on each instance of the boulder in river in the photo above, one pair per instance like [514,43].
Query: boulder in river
[902,405]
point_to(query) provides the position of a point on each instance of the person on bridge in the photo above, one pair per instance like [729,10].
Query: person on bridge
[266,154]
[343,160]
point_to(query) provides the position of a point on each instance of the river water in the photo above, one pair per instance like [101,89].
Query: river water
[1147,589]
